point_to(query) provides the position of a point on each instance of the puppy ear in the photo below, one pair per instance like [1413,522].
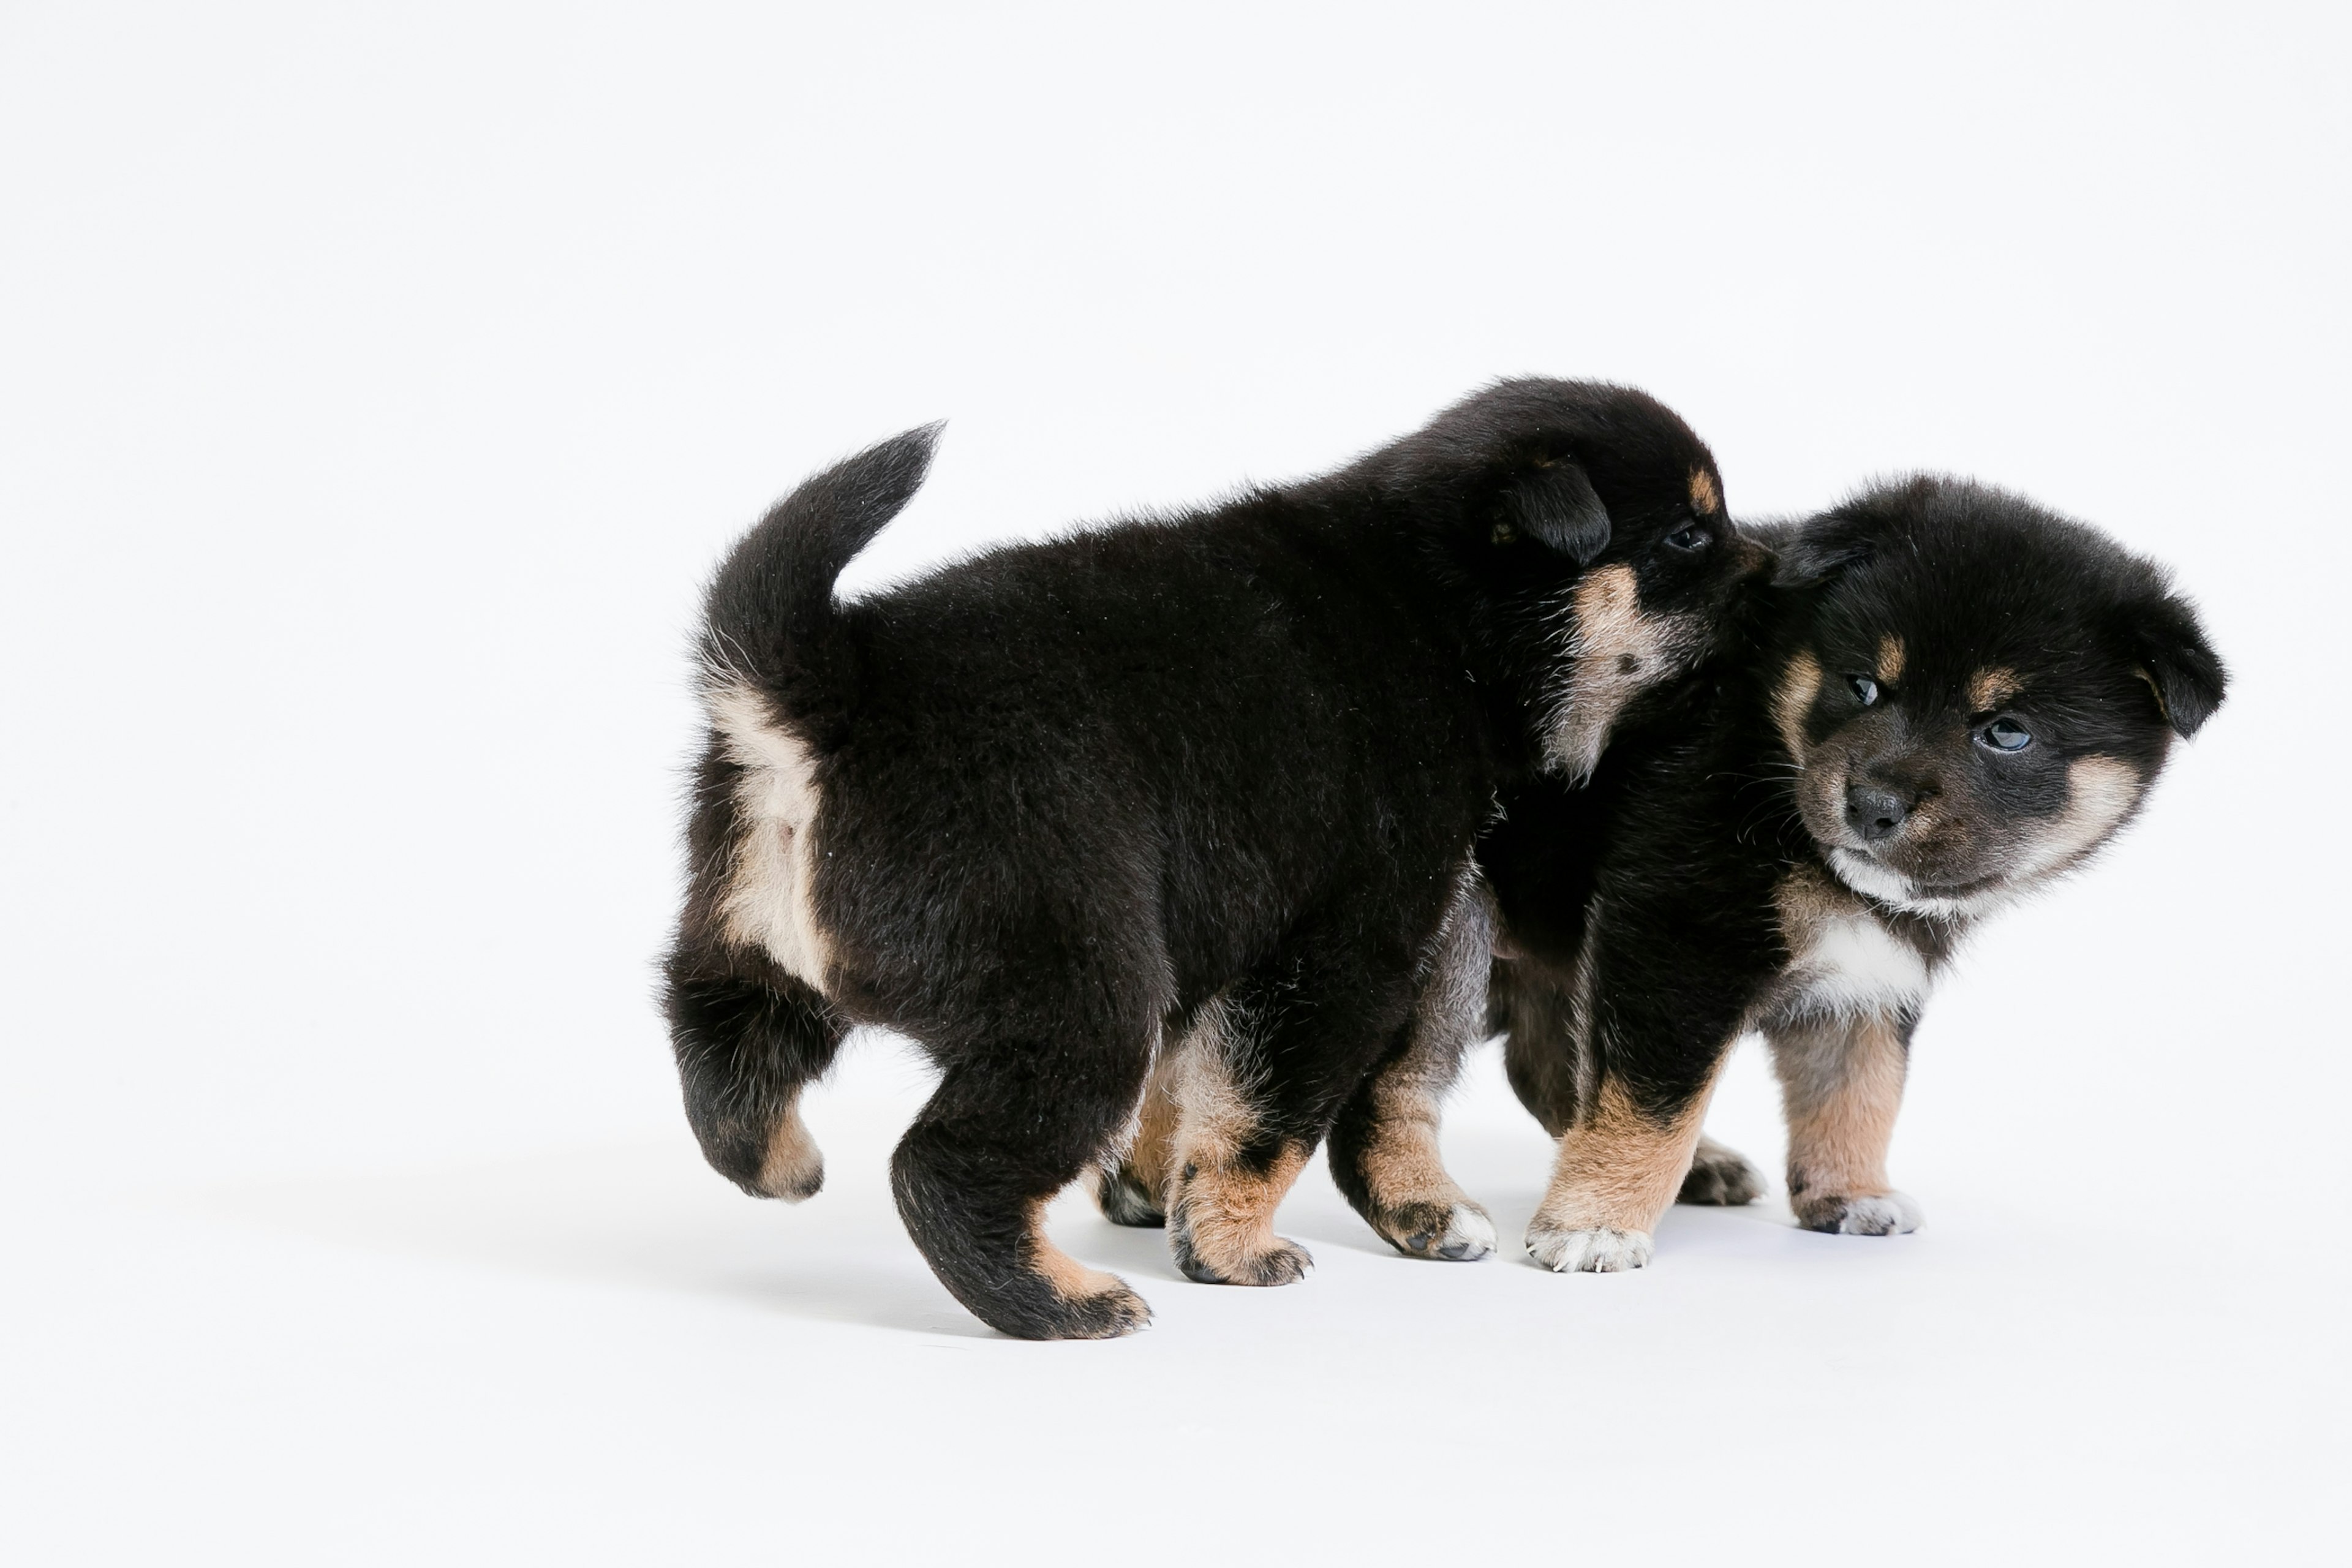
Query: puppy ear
[1811,553]
[2178,665]
[1557,504]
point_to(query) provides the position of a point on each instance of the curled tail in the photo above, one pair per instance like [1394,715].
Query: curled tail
[769,618]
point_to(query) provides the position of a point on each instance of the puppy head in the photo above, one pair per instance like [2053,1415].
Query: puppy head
[1977,693]
[1592,518]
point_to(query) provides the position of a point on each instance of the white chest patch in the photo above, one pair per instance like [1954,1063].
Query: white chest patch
[1851,963]
[767,902]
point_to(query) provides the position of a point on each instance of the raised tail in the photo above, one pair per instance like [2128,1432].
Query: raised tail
[769,616]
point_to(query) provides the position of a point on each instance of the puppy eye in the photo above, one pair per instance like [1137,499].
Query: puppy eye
[1865,690]
[2005,735]
[1691,538]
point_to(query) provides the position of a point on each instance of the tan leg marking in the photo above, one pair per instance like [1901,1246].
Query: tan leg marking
[1841,1086]
[1614,650]
[1800,684]
[1618,1170]
[1227,1216]
[1620,1167]
[1221,1209]
[1072,1280]
[1415,1205]
[1152,1157]
[793,1168]
[1989,688]
[1890,659]
[1705,499]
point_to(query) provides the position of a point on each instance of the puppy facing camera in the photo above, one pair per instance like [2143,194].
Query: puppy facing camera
[1944,698]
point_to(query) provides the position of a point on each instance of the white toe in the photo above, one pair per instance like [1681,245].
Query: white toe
[1470,1234]
[1598,1251]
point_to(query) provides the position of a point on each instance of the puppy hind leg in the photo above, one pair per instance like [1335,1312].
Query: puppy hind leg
[1007,1131]
[745,1049]
[1384,1149]
[1720,1177]
[1231,1167]
[1267,1068]
[1130,1185]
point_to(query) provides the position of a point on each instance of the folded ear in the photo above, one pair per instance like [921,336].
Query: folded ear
[1814,553]
[1556,503]
[2179,663]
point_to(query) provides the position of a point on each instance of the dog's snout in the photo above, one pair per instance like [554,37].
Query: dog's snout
[1876,812]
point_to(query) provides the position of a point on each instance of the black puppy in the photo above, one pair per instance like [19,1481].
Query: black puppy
[1215,779]
[1946,697]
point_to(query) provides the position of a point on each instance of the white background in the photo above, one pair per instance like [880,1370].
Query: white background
[378,384]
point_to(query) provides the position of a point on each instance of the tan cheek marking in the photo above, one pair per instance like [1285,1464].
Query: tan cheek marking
[1615,651]
[1990,688]
[2101,791]
[1619,1169]
[1704,497]
[1890,659]
[1071,1279]
[1841,1086]
[1800,685]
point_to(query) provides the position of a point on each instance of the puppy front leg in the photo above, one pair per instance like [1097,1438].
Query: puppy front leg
[1841,1086]
[1618,1170]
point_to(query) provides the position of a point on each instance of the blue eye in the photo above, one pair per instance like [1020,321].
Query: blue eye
[2005,735]
[1865,689]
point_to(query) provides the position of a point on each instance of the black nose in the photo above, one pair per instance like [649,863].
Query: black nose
[1872,811]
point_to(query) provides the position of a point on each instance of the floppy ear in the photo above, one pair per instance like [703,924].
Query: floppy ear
[1556,505]
[1813,553]
[2179,663]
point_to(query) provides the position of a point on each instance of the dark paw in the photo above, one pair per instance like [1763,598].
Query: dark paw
[1281,1263]
[1879,1214]
[1457,1232]
[1106,1315]
[1722,1177]
[1066,1302]
[1125,1200]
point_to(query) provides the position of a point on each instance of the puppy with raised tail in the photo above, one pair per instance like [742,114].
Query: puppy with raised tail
[1199,794]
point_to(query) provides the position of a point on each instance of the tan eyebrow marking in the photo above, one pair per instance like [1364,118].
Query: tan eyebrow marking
[1890,659]
[1703,493]
[1988,689]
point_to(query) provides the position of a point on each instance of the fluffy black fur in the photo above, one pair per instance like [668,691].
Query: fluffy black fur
[1945,697]
[1039,809]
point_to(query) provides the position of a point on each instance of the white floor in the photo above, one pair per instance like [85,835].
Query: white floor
[604,1355]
